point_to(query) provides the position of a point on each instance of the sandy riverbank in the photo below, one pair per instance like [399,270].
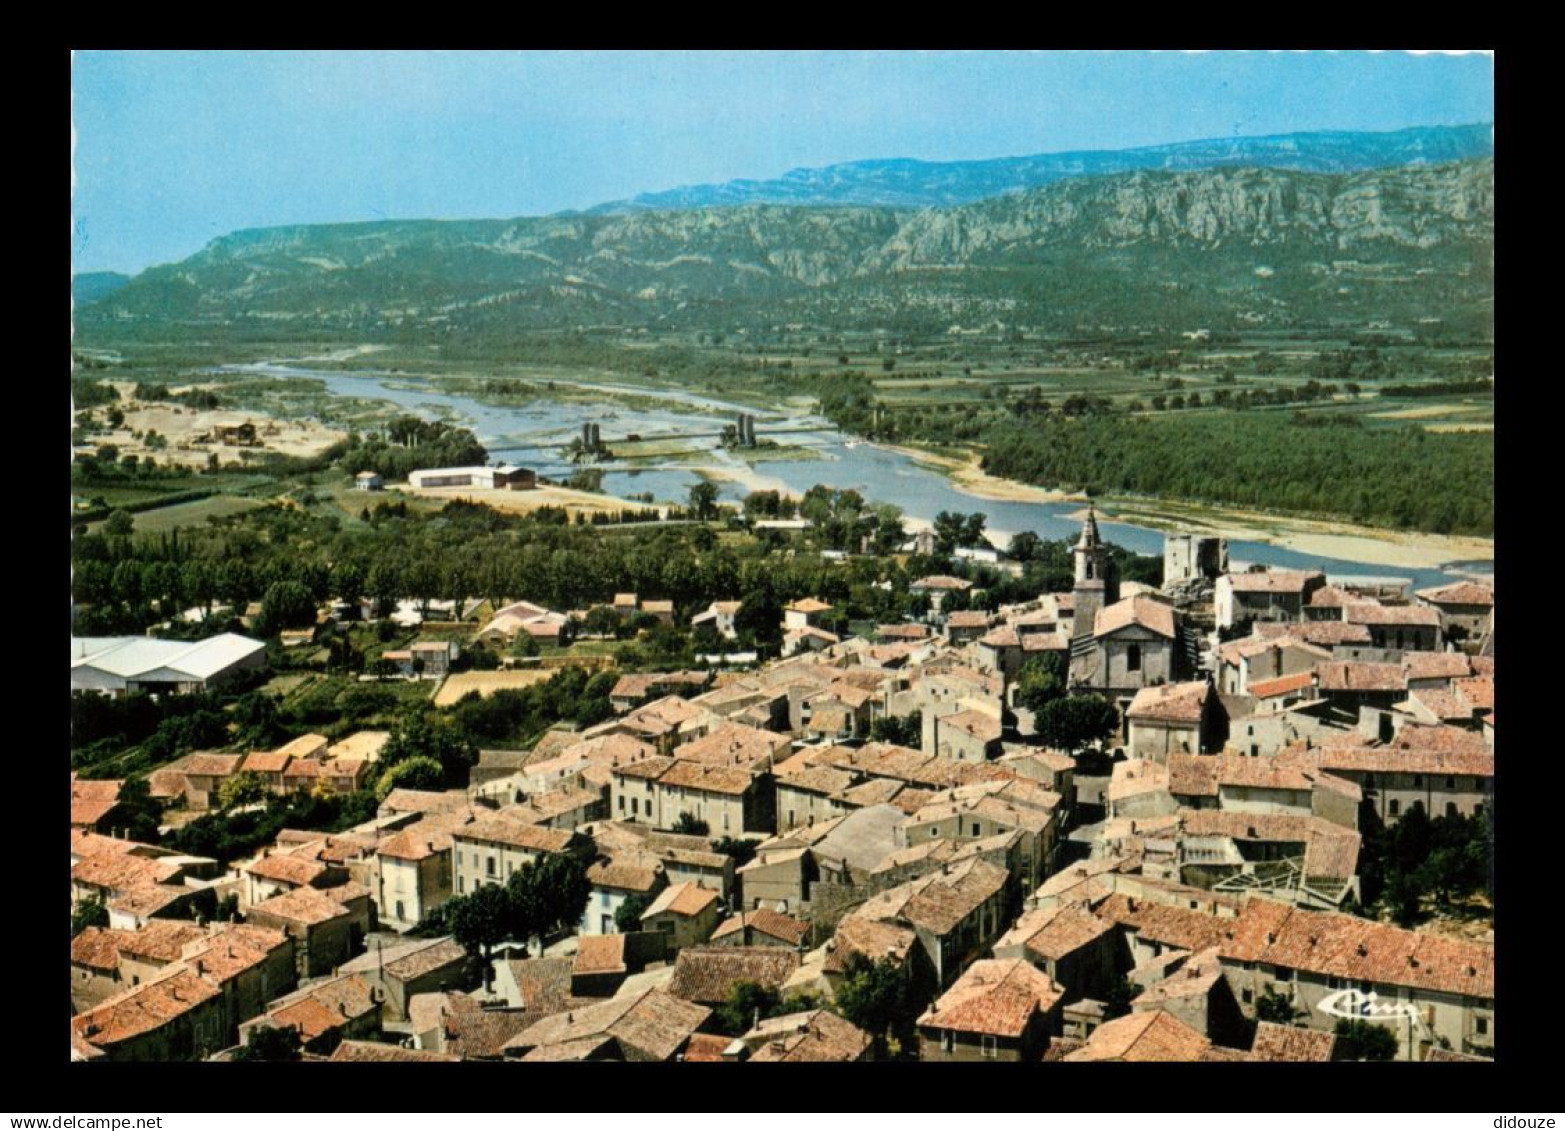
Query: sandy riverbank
[965,472]
[1372,545]
[525,502]
[1369,544]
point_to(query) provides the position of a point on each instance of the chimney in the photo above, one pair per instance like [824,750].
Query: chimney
[1271,937]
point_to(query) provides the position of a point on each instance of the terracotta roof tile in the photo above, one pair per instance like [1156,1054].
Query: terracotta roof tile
[1144,611]
[767,922]
[599,954]
[1151,1036]
[817,1036]
[999,997]
[682,899]
[707,974]
[1171,702]
[365,1052]
[1282,685]
[651,1026]
[1291,1043]
[1333,944]
[1349,675]
[1273,581]
[1459,593]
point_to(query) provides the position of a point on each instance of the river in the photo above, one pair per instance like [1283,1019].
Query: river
[532,435]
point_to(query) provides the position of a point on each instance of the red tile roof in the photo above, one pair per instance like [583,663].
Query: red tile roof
[1171,702]
[1282,685]
[1344,946]
[1144,611]
[999,997]
[1291,1043]
[1151,1036]
[1273,581]
[706,974]
[767,922]
[1460,593]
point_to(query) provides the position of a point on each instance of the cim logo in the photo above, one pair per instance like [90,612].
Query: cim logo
[1353,1004]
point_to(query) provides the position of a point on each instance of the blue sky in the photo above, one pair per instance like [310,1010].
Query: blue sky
[174,149]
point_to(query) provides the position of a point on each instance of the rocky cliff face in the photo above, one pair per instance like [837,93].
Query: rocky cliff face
[1040,249]
[925,184]
[1256,207]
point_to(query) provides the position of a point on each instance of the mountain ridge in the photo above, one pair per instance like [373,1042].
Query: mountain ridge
[1231,242]
[913,182]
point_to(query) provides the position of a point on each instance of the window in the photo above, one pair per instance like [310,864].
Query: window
[1133,658]
[1450,782]
[991,1047]
[489,866]
[400,913]
[1483,1026]
[725,821]
[1396,807]
[975,828]
[461,884]
[1418,781]
[947,1041]
[622,803]
[603,899]
[634,806]
[1248,996]
[933,833]
[1450,808]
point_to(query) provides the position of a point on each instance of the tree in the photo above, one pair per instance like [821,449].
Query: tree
[481,921]
[1075,722]
[448,746]
[272,1044]
[746,1003]
[879,997]
[1026,546]
[286,604]
[1358,1039]
[418,772]
[703,500]
[548,894]
[760,616]
[908,730]
[628,917]
[1272,1006]
[119,524]
[1116,1003]
[260,727]
[89,912]
[950,529]
[136,813]
[244,788]
[691,826]
[743,851]
[1041,681]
